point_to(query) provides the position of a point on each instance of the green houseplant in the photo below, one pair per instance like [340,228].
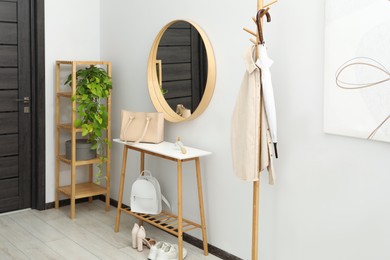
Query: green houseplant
[93,85]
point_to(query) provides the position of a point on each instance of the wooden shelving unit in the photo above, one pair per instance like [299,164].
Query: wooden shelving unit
[78,190]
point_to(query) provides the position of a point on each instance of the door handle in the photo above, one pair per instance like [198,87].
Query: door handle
[25,100]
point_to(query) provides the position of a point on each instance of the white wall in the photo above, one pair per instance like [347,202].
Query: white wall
[331,199]
[72,32]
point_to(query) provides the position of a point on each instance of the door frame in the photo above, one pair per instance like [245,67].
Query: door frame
[38,136]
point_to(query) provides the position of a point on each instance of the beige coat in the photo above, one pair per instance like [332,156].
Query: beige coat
[245,139]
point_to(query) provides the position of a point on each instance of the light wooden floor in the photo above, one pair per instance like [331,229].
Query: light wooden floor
[51,234]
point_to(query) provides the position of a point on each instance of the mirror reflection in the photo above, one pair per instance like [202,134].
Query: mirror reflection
[181,67]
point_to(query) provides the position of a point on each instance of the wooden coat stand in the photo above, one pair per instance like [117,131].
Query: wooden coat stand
[263,8]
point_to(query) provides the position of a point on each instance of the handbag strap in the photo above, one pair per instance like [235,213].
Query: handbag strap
[124,130]
[143,133]
[145,129]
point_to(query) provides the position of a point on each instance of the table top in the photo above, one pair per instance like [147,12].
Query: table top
[167,149]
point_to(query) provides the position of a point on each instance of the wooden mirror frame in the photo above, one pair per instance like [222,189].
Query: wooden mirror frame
[157,97]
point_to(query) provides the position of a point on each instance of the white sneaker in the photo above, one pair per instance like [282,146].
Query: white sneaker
[155,249]
[170,252]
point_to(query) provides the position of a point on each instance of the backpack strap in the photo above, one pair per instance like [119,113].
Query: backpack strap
[166,201]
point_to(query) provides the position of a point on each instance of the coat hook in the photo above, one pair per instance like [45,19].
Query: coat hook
[270,3]
[250,32]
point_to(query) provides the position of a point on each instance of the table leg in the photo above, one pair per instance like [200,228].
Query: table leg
[142,162]
[179,209]
[121,185]
[201,207]
[142,168]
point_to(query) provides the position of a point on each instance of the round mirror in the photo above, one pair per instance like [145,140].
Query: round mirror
[181,71]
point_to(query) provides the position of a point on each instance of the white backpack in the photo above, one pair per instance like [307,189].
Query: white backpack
[146,195]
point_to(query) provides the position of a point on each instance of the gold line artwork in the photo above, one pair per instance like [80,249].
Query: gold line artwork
[369,63]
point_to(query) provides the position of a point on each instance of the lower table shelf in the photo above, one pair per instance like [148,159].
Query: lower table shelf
[84,190]
[165,221]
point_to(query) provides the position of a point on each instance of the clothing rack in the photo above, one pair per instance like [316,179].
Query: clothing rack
[262,10]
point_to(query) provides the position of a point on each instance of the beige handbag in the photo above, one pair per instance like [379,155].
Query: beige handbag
[142,127]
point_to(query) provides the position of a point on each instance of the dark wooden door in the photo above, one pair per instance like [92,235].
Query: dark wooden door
[15,114]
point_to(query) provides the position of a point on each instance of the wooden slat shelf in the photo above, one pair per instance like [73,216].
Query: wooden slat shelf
[83,62]
[84,190]
[68,127]
[64,94]
[64,62]
[164,220]
[79,163]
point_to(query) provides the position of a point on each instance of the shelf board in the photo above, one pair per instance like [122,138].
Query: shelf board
[68,127]
[84,62]
[84,190]
[64,94]
[79,163]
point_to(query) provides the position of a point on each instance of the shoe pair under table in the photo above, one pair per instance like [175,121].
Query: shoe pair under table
[158,250]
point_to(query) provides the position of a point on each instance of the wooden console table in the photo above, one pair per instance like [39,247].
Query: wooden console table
[175,225]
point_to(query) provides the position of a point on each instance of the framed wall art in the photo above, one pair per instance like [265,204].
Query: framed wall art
[357,69]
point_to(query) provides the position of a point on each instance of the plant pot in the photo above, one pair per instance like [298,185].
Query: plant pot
[83,150]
